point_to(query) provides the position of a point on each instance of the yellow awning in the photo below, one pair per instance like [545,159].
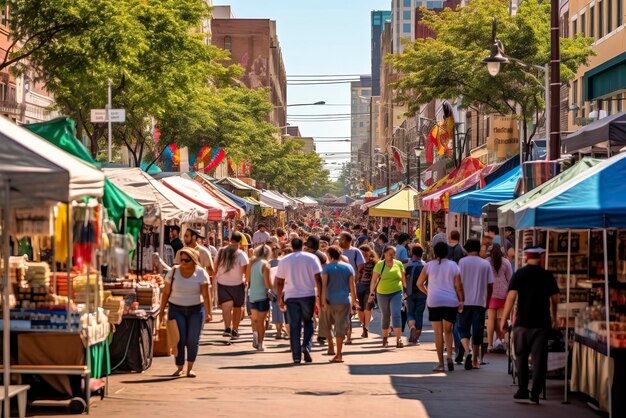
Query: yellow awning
[399,205]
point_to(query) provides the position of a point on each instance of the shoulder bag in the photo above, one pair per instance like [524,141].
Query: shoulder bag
[171,326]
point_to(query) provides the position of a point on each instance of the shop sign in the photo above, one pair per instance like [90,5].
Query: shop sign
[503,136]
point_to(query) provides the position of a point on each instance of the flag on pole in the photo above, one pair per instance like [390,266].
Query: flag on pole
[398,158]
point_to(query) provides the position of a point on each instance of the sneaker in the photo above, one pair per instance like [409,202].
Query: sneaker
[227,333]
[307,356]
[255,339]
[521,394]
[260,347]
[365,333]
[534,399]
[417,342]
[235,335]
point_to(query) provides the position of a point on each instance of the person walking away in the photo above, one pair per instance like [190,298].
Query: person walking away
[502,273]
[338,296]
[278,316]
[477,279]
[312,246]
[440,236]
[444,298]
[388,282]
[297,274]
[416,299]
[455,249]
[363,288]
[537,295]
[258,280]
[261,236]
[232,263]
[186,295]
[364,238]
[175,241]
[356,260]
[402,252]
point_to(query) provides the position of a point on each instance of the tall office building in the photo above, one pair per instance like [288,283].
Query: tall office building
[403,20]
[361,93]
[379,17]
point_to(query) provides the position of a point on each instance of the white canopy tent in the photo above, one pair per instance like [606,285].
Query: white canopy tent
[33,172]
[308,202]
[276,202]
[158,200]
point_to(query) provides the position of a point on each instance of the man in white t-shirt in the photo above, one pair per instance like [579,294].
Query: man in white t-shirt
[261,236]
[477,278]
[297,274]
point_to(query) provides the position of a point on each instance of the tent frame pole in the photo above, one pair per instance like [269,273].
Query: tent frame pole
[6,311]
[607,301]
[567,294]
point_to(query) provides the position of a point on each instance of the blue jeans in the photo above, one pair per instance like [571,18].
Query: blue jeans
[416,303]
[391,309]
[471,323]
[190,320]
[300,313]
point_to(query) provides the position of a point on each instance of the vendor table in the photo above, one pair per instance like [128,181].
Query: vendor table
[132,343]
[589,373]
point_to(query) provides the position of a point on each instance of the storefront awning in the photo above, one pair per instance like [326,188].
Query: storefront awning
[608,132]
[399,205]
[193,191]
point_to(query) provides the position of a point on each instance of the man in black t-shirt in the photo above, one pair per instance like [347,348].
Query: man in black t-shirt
[537,295]
[175,241]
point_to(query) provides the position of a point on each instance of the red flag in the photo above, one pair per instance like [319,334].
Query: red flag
[398,158]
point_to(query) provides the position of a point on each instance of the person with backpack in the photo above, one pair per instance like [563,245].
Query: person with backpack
[416,300]
[402,252]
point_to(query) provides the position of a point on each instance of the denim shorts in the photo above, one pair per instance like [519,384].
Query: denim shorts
[261,306]
[472,323]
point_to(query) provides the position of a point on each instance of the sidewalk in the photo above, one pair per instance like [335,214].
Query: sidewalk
[236,381]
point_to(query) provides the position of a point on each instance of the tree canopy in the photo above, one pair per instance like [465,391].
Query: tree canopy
[450,65]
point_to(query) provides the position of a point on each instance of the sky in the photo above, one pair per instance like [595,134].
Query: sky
[319,37]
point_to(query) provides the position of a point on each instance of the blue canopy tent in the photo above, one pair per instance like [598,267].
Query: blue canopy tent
[241,202]
[594,199]
[471,202]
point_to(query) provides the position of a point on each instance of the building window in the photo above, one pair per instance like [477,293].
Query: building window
[418,4]
[434,5]
[228,43]
[406,28]
[575,92]
[583,23]
[4,16]
[592,18]
[609,16]
[619,12]
[360,124]
[600,21]
[619,103]
[574,28]
[407,3]
[406,15]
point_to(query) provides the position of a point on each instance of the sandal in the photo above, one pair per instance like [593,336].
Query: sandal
[335,360]
[191,374]
[178,373]
[385,342]
[399,344]
[450,364]
[439,368]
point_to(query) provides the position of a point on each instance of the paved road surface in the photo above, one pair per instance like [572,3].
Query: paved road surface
[236,381]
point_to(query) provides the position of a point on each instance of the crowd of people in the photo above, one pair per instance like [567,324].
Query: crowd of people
[312,280]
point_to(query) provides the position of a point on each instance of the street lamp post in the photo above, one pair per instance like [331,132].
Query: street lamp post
[496,58]
[418,155]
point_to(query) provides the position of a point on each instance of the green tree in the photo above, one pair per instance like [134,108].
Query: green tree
[450,67]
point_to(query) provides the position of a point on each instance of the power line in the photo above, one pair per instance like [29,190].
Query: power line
[289,83]
[326,75]
[330,114]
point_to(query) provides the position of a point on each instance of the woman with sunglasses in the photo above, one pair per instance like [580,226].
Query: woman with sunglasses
[363,288]
[188,301]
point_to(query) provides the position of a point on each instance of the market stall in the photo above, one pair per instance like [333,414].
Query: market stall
[308,202]
[594,201]
[41,319]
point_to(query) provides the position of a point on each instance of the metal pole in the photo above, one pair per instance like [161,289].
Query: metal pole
[108,112]
[419,173]
[607,301]
[546,86]
[6,311]
[567,291]
[555,83]
[408,159]
[371,142]
[388,173]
